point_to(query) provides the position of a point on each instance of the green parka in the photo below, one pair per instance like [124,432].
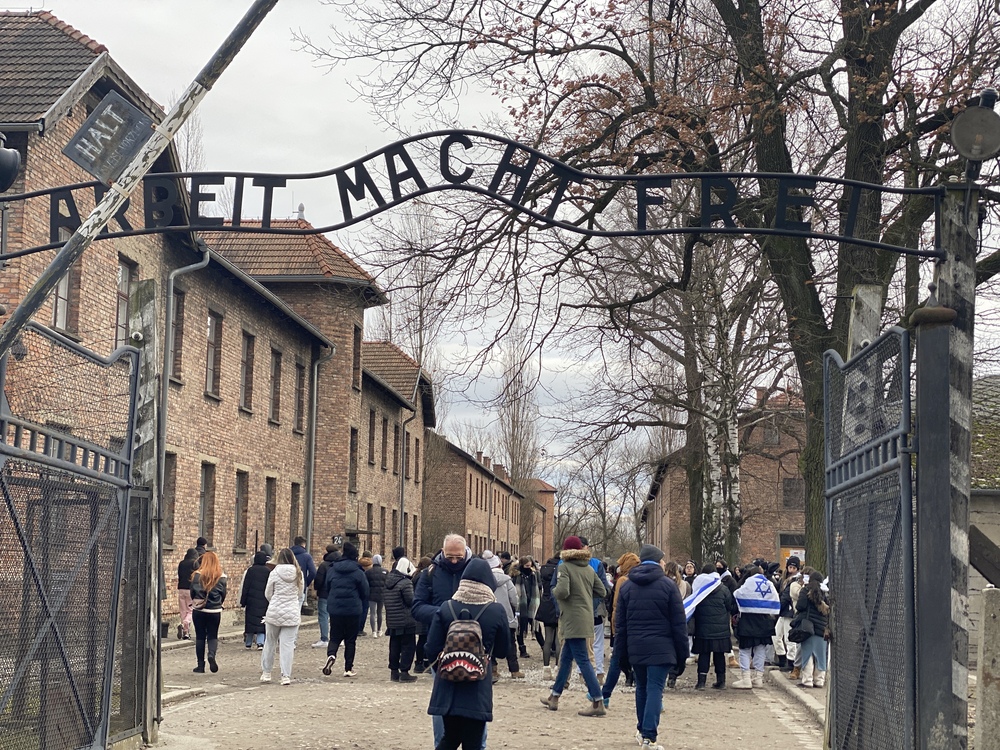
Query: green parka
[576,587]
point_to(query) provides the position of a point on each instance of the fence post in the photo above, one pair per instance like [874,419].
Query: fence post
[988,681]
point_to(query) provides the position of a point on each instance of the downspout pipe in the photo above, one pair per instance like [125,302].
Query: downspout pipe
[402,468]
[311,442]
[161,443]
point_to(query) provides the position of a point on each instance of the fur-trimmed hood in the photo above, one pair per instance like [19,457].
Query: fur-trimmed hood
[578,556]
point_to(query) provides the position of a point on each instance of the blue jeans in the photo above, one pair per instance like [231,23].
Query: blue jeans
[614,672]
[438,723]
[814,648]
[575,650]
[649,682]
[249,638]
[324,619]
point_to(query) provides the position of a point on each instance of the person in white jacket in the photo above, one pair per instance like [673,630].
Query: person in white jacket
[506,595]
[284,590]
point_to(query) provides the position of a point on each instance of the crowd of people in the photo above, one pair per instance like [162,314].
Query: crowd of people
[457,615]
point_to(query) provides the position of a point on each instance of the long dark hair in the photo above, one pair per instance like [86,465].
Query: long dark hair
[814,592]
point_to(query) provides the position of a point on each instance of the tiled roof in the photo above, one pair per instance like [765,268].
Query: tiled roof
[286,254]
[541,485]
[40,57]
[986,432]
[391,365]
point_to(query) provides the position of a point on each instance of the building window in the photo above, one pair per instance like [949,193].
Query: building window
[385,443]
[371,437]
[213,354]
[771,435]
[416,460]
[246,371]
[395,449]
[793,492]
[370,524]
[206,502]
[275,413]
[381,530]
[356,361]
[177,335]
[240,511]
[413,543]
[126,274]
[395,528]
[66,301]
[352,476]
[406,455]
[294,509]
[270,509]
[169,497]
[300,397]
[470,489]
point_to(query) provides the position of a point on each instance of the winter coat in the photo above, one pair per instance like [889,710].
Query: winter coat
[376,583]
[473,700]
[755,625]
[548,611]
[506,594]
[650,621]
[184,572]
[252,594]
[713,616]
[436,585]
[398,600]
[320,582]
[348,588]
[730,582]
[526,583]
[306,563]
[214,599]
[805,605]
[284,593]
[789,595]
[625,563]
[577,585]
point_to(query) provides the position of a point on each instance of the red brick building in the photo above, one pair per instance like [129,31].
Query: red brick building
[772,490]
[468,495]
[543,545]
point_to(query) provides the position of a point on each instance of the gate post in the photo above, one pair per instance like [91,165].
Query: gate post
[934,701]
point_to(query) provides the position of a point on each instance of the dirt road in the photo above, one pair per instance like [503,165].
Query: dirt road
[371,713]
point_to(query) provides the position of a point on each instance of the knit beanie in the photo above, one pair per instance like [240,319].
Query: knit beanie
[572,542]
[350,551]
[377,560]
[398,552]
[492,560]
[650,553]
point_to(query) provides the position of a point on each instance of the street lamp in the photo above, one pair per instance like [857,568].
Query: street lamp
[10,164]
[975,133]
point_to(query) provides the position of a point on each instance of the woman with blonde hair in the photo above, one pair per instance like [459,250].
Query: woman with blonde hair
[283,592]
[618,664]
[208,593]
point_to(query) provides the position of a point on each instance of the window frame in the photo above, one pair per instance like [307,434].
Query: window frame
[248,346]
[213,354]
[274,409]
[126,276]
[299,419]
[241,506]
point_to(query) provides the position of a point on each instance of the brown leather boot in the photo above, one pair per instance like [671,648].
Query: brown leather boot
[794,674]
[551,702]
[596,709]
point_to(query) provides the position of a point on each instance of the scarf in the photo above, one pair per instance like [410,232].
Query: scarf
[703,585]
[758,596]
[473,592]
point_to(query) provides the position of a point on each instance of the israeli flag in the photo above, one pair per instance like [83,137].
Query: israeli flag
[758,596]
[704,584]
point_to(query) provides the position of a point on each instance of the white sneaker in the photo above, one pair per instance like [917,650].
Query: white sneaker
[265,676]
[547,675]
[649,745]
[320,644]
[350,673]
[285,679]
[638,738]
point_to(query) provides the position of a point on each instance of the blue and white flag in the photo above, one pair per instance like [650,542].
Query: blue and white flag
[704,584]
[758,596]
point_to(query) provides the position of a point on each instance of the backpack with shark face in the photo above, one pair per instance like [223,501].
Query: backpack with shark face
[463,658]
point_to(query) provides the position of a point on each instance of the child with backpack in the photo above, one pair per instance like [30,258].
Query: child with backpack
[467,630]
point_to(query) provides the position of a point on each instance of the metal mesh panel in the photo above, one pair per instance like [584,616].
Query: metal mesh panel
[870,545]
[55,596]
[66,423]
[869,617]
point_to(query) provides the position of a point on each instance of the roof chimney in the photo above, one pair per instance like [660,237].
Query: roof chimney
[479,456]
[486,461]
[301,212]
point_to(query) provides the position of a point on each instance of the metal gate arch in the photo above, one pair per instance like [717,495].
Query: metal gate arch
[869,493]
[67,421]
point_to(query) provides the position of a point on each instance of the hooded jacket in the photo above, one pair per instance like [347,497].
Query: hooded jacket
[505,590]
[252,594]
[815,613]
[320,582]
[473,700]
[436,585]
[789,594]
[713,616]
[548,610]
[577,585]
[526,582]
[185,569]
[650,621]
[376,582]
[284,591]
[348,588]
[306,563]
[398,600]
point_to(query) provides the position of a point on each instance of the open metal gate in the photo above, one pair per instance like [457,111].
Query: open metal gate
[870,545]
[67,418]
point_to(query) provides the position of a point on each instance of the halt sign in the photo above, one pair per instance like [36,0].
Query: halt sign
[110,138]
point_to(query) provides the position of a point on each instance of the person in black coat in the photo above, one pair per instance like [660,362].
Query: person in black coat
[253,601]
[713,632]
[650,625]
[814,605]
[399,623]
[376,595]
[185,569]
[347,599]
[466,706]
[547,616]
[322,587]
